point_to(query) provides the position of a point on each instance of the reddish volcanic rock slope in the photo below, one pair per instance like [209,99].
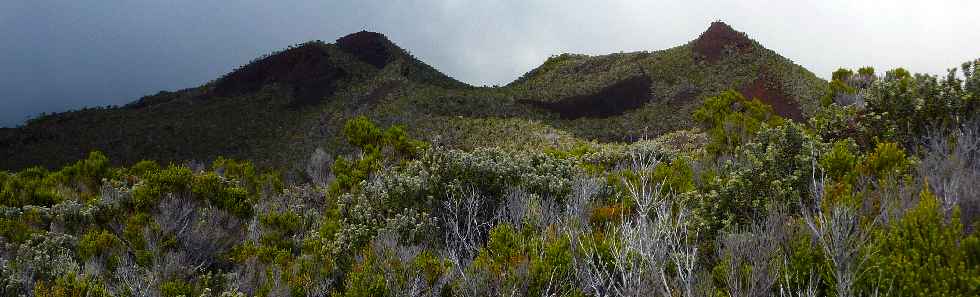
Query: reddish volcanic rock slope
[712,43]
[769,92]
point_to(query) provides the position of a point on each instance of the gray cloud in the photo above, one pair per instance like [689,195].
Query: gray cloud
[59,55]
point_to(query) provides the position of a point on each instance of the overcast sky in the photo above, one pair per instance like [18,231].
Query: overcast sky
[60,55]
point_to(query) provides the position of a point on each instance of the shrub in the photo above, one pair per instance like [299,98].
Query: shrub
[835,122]
[132,233]
[144,168]
[173,180]
[32,186]
[71,286]
[494,171]
[887,160]
[805,263]
[731,119]
[86,174]
[774,170]
[677,176]
[223,193]
[387,268]
[526,262]
[46,257]
[247,177]
[15,230]
[371,141]
[279,227]
[175,288]
[840,162]
[362,133]
[928,255]
[97,242]
[902,107]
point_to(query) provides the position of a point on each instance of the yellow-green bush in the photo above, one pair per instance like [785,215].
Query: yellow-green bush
[927,254]
[887,160]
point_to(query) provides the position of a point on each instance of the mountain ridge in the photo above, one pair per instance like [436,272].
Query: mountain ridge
[283,106]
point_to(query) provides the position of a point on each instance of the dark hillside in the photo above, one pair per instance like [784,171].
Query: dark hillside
[305,70]
[616,99]
[377,50]
[257,109]
[369,47]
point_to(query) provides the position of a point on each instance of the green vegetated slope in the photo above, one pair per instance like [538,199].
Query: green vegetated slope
[278,109]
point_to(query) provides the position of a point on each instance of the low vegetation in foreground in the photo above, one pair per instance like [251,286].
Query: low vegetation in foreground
[875,195]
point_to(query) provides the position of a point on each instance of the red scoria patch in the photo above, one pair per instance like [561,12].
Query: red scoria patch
[770,92]
[712,43]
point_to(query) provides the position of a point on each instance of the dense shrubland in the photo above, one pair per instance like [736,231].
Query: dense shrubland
[874,196]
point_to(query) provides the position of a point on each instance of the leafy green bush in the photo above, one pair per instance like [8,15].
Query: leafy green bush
[805,264]
[773,170]
[86,174]
[143,168]
[835,122]
[132,233]
[731,119]
[15,230]
[280,225]
[902,107]
[371,141]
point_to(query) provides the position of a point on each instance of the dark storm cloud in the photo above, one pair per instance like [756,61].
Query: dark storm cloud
[58,55]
